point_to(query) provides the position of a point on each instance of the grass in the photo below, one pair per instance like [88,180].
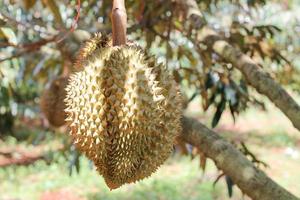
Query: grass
[269,135]
[179,179]
[276,139]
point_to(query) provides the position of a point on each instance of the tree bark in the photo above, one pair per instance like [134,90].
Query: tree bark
[254,75]
[260,80]
[251,180]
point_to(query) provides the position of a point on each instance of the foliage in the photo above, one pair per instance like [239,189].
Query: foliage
[39,40]
[38,44]
[164,185]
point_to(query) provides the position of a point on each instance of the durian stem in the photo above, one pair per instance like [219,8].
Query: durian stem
[119,22]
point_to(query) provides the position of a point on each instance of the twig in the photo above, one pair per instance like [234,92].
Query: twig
[29,48]
[23,24]
[74,23]
[14,56]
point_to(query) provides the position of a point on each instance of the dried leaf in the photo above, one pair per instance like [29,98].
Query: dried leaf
[176,76]
[140,11]
[28,4]
[194,152]
[203,160]
[182,147]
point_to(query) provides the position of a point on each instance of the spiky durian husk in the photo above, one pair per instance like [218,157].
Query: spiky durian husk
[124,111]
[97,42]
[52,102]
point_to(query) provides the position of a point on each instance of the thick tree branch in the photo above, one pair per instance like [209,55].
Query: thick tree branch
[252,181]
[261,81]
[255,76]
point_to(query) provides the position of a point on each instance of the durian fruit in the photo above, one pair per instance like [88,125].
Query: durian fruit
[52,102]
[185,101]
[95,43]
[123,110]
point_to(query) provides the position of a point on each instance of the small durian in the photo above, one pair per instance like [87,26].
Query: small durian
[52,102]
[185,101]
[123,110]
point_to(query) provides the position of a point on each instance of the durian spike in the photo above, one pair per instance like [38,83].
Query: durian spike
[119,22]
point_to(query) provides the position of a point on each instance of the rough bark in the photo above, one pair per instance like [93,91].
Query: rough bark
[254,75]
[251,180]
[259,79]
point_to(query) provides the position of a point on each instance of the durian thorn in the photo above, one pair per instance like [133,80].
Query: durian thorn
[119,22]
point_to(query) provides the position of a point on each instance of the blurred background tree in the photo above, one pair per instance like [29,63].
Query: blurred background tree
[226,55]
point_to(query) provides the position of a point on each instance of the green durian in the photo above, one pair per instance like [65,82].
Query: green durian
[123,110]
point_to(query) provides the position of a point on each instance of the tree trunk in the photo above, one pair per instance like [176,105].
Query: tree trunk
[252,181]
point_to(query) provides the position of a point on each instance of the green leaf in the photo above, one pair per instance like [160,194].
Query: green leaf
[220,108]
[230,185]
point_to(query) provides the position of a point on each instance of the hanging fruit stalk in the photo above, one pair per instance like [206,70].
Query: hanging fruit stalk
[119,22]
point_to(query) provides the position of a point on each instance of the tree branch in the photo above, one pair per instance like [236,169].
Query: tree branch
[254,75]
[251,180]
[261,81]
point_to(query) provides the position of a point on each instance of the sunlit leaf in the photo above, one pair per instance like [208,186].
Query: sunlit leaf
[9,35]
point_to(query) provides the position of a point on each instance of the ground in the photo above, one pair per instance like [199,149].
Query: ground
[268,134]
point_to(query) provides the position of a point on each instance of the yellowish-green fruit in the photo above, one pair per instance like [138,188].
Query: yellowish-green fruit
[52,102]
[124,111]
[96,43]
